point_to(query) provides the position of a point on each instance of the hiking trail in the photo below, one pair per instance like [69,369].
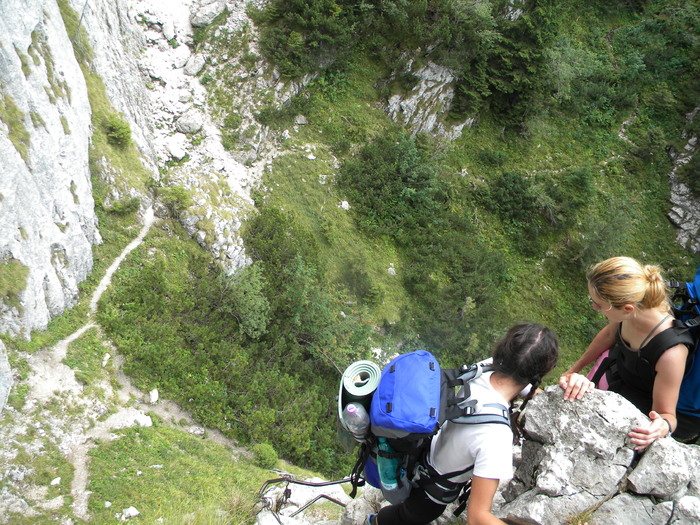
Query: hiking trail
[81,421]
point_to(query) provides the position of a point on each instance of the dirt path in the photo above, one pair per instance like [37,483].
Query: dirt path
[75,434]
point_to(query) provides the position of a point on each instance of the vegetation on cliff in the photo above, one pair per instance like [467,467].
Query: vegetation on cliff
[576,105]
[368,235]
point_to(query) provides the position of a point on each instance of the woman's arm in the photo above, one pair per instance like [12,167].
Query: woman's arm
[669,373]
[480,501]
[574,384]
[604,340]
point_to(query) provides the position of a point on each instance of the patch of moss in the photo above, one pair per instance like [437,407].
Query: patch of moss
[64,123]
[13,117]
[37,120]
[26,69]
[13,280]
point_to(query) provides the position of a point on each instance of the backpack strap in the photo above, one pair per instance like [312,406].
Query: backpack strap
[459,404]
[463,498]
[356,478]
[477,414]
[439,486]
[678,334]
[603,367]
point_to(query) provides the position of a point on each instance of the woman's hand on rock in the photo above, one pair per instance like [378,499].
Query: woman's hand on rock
[575,386]
[643,437]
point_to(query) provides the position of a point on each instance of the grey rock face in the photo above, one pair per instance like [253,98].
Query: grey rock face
[578,458]
[628,508]
[424,108]
[5,377]
[685,210]
[118,42]
[47,219]
[206,11]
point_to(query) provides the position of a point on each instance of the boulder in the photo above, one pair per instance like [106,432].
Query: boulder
[577,459]
[190,121]
[205,11]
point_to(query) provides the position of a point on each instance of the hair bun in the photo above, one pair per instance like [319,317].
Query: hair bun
[653,273]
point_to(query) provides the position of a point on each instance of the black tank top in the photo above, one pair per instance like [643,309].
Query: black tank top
[633,371]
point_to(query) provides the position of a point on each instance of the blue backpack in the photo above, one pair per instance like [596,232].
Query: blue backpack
[415,396]
[686,308]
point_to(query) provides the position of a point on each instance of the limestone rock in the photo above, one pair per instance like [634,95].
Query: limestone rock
[190,121]
[628,508]
[206,11]
[47,219]
[577,456]
[194,64]
[424,108]
[685,209]
[177,146]
[5,376]
[679,461]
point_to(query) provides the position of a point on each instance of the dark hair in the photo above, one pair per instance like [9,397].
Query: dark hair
[526,353]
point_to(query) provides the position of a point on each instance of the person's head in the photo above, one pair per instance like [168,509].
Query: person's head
[526,353]
[622,282]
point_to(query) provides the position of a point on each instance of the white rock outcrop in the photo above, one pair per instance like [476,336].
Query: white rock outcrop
[47,219]
[5,376]
[685,209]
[578,458]
[425,107]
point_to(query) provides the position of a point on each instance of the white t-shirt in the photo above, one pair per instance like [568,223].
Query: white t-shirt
[488,446]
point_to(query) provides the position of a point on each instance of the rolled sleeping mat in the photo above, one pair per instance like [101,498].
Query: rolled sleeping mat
[358,383]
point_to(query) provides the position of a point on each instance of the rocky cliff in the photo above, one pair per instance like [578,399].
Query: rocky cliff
[144,51]
[47,217]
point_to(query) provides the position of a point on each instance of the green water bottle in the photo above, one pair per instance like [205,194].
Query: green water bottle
[388,466]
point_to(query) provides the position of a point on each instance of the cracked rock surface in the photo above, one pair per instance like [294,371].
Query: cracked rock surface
[578,459]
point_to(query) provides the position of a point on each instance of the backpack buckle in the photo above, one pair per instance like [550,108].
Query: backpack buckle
[468,368]
[469,407]
[470,372]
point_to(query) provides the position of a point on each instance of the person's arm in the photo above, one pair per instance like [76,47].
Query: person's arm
[480,501]
[669,373]
[575,384]
[604,340]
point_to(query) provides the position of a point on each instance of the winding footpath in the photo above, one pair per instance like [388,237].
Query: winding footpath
[80,422]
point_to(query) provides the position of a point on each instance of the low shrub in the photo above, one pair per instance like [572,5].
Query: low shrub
[265,455]
[118,130]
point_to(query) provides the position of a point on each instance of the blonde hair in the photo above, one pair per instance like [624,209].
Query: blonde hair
[623,280]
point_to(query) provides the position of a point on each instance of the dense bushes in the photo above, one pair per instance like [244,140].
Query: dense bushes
[507,61]
[399,191]
[498,59]
[301,35]
[532,206]
[395,190]
[258,353]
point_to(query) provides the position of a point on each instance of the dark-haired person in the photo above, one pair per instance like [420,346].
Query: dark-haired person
[481,453]
[648,349]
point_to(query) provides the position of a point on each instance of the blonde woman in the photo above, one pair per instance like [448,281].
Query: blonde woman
[648,348]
